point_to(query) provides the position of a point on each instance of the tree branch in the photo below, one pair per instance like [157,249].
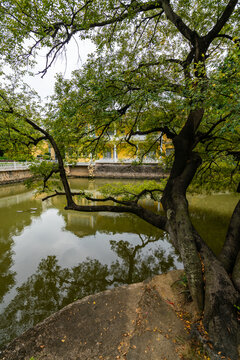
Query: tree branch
[157,220]
[52,142]
[33,140]
[163,129]
[221,21]
[178,22]
[134,9]
[45,180]
[127,207]
[200,137]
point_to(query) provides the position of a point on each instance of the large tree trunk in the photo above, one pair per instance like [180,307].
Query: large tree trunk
[220,317]
[211,288]
[210,285]
[175,204]
[231,246]
[180,229]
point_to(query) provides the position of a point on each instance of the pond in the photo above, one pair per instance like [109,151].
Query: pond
[50,257]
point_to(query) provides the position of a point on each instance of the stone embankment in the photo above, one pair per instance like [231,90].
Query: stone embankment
[14,171]
[143,321]
[98,170]
[14,176]
[117,170]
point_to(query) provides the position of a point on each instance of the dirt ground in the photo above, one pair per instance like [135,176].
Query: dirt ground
[144,321]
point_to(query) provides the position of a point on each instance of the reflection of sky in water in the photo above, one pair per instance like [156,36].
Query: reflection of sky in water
[47,235]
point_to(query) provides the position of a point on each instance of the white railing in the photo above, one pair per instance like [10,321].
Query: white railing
[13,165]
[107,160]
[116,160]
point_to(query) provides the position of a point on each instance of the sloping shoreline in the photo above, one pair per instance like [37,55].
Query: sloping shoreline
[135,322]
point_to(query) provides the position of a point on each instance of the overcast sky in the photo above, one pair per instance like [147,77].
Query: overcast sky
[76,55]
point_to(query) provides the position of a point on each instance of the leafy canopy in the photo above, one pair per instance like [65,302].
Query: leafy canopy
[143,80]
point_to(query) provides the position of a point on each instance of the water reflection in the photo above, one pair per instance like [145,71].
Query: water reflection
[211,215]
[7,277]
[15,215]
[49,256]
[52,286]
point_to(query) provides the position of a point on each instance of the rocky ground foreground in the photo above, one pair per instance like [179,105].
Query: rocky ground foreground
[144,321]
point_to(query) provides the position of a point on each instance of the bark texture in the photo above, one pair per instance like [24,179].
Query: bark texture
[231,246]
[180,227]
[220,316]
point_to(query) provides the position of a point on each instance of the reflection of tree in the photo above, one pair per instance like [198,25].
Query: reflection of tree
[39,296]
[6,275]
[53,287]
[134,266]
[10,190]
[91,223]
[15,215]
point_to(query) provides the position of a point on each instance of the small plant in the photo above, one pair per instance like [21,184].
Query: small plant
[238,311]
[183,282]
[237,307]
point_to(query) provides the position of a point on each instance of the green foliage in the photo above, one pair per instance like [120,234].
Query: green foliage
[45,177]
[42,168]
[18,139]
[217,176]
[130,191]
[162,71]
[134,85]
[183,280]
[237,307]
[92,105]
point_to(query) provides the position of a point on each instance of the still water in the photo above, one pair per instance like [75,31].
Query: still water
[50,257]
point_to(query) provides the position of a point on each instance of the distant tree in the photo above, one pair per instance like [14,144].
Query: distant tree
[161,68]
